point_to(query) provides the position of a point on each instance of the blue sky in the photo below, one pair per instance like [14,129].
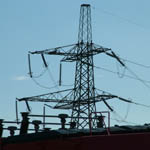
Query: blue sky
[32,25]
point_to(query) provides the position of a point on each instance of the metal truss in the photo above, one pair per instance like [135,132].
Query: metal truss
[83,97]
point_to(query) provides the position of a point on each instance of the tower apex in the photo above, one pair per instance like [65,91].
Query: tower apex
[86,5]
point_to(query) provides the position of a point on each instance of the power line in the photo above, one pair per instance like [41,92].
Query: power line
[137,77]
[114,72]
[121,119]
[41,74]
[42,86]
[120,75]
[125,100]
[46,87]
[136,63]
[128,109]
[120,18]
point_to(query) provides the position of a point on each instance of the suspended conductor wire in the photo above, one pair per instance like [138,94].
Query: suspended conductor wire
[120,75]
[54,82]
[49,106]
[137,77]
[124,119]
[147,106]
[120,18]
[144,83]
[132,62]
[40,75]
[128,109]
[45,87]
[46,69]
[128,76]
[125,100]
[136,63]
[51,76]
[42,86]
[121,119]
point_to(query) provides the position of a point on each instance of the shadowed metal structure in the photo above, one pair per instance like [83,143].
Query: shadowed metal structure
[83,97]
[84,76]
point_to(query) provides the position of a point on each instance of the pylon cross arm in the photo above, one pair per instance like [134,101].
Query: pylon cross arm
[55,97]
[62,50]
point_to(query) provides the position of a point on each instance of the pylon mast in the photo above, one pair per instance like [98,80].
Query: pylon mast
[83,97]
[84,87]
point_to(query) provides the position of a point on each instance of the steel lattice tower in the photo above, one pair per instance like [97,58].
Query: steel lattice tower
[84,86]
[83,97]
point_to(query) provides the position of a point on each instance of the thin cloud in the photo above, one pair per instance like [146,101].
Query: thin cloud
[21,78]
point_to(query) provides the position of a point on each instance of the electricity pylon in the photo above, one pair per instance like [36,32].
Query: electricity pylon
[83,97]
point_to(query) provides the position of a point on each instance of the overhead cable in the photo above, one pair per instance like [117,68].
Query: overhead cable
[137,77]
[42,86]
[123,99]
[128,76]
[120,17]
[136,63]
